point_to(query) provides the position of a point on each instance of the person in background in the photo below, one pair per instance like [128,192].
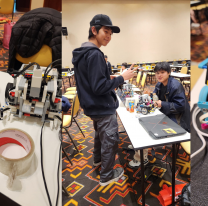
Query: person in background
[108,64]
[123,69]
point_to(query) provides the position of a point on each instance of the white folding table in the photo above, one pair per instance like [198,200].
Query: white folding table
[33,191]
[140,140]
[180,75]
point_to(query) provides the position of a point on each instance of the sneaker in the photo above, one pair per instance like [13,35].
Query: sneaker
[117,173]
[96,163]
[134,163]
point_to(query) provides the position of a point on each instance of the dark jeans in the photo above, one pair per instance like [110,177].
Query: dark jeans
[106,144]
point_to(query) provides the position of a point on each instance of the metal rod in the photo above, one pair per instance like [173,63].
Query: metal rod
[142,177]
[173,173]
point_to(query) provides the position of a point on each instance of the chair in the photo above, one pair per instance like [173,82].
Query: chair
[69,96]
[112,70]
[119,67]
[68,119]
[138,77]
[64,151]
[43,57]
[186,146]
[184,70]
[6,7]
[71,89]
[187,84]
[143,82]
[151,74]
[71,92]
[183,62]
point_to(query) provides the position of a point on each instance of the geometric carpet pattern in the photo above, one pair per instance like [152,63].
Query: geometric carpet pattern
[199,43]
[4,53]
[82,179]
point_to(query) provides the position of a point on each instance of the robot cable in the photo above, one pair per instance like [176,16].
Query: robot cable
[200,133]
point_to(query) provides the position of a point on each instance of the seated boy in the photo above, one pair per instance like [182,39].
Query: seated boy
[172,102]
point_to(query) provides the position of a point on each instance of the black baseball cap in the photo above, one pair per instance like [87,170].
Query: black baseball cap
[104,20]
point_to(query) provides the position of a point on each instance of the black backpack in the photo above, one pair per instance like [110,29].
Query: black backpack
[185,199]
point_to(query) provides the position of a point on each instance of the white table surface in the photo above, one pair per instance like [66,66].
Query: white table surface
[180,75]
[138,136]
[33,191]
[70,74]
[176,66]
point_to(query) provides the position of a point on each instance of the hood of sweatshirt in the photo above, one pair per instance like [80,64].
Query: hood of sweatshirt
[79,52]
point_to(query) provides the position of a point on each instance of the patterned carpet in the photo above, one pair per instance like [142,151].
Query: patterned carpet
[4,53]
[199,42]
[82,179]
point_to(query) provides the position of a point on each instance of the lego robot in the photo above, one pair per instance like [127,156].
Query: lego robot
[145,105]
[36,91]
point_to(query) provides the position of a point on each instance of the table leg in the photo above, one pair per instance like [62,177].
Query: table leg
[69,81]
[173,173]
[151,78]
[142,177]
[64,85]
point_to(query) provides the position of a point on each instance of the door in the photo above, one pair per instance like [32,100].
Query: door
[23,5]
[54,4]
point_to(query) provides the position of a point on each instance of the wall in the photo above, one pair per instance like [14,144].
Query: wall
[150,30]
[36,4]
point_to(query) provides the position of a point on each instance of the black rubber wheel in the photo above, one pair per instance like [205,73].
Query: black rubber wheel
[144,111]
[8,88]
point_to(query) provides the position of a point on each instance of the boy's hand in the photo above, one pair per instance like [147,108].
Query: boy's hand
[129,73]
[158,103]
[113,76]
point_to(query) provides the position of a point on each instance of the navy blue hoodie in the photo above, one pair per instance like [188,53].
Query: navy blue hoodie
[94,87]
[176,106]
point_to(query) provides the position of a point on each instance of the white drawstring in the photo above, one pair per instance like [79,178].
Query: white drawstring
[200,133]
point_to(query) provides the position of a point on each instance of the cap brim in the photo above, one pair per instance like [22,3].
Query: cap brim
[115,29]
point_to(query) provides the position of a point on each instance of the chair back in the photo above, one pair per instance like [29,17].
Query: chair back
[75,106]
[6,6]
[184,70]
[143,80]
[138,77]
[183,62]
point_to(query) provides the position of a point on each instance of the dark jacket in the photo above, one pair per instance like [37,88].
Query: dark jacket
[94,87]
[35,28]
[176,106]
[109,67]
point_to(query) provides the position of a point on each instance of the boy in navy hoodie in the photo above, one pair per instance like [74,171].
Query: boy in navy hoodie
[95,88]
